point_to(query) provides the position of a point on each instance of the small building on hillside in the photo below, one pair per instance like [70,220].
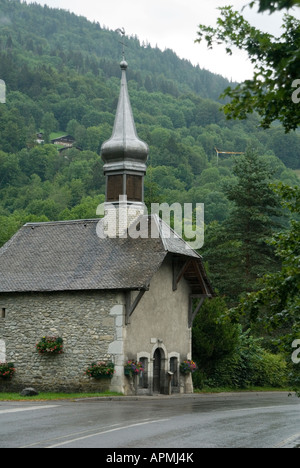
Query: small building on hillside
[66,140]
[110,296]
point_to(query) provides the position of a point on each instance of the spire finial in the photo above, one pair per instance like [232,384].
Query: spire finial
[122,33]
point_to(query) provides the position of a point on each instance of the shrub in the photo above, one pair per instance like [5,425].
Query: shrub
[214,336]
[199,379]
[250,365]
[270,370]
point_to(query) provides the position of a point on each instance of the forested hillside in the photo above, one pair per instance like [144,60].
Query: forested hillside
[62,76]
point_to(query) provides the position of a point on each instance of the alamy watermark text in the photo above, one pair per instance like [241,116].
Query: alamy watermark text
[296,93]
[130,220]
[296,353]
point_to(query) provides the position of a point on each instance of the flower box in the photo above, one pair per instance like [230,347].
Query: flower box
[50,345]
[101,370]
[7,370]
[188,367]
[133,368]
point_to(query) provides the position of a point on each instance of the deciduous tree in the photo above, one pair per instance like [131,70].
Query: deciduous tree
[276,65]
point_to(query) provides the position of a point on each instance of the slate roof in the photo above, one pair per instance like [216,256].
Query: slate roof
[69,256]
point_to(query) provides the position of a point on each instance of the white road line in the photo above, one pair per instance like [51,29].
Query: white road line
[43,442]
[258,408]
[288,441]
[73,434]
[105,432]
[27,408]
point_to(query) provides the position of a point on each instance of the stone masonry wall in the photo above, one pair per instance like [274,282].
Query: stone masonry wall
[82,319]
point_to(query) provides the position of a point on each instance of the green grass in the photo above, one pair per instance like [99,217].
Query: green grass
[55,135]
[55,396]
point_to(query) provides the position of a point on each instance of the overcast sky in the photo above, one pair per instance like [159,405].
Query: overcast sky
[173,24]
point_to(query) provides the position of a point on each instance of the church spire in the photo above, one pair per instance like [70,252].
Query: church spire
[124,145]
[124,154]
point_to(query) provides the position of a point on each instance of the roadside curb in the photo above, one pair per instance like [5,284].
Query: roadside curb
[192,396]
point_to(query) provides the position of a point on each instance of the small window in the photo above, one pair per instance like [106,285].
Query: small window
[174,370]
[3,313]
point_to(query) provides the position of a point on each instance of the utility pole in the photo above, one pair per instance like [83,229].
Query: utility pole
[2,92]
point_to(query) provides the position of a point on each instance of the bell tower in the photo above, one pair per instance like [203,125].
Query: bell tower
[125,156]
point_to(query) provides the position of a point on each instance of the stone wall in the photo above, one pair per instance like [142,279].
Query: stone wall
[84,321]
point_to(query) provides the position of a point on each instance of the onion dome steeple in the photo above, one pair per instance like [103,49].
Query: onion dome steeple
[124,154]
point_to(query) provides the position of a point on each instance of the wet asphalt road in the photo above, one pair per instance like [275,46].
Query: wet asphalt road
[243,420]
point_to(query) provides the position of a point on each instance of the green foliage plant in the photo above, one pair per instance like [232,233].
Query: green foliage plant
[276,304]
[188,367]
[50,345]
[250,365]
[100,370]
[276,62]
[7,370]
[133,368]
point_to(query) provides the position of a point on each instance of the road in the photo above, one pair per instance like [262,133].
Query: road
[237,420]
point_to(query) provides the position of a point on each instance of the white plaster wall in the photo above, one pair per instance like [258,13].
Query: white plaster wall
[161,316]
[161,320]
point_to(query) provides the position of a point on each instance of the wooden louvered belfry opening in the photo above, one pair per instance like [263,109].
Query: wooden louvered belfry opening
[134,188]
[114,188]
[124,184]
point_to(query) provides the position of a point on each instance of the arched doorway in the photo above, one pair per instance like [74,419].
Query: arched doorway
[158,370]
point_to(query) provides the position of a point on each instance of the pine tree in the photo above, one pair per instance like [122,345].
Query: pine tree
[237,250]
[276,304]
[253,218]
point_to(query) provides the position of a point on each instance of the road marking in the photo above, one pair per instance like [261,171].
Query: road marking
[257,408]
[43,442]
[73,434]
[287,441]
[30,408]
[106,432]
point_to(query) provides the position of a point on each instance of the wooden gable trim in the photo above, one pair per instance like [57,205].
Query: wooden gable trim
[191,271]
[193,313]
[201,280]
[177,277]
[131,306]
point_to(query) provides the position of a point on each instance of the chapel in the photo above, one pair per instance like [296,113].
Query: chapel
[124,287]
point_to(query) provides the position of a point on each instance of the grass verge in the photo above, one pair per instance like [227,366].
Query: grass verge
[74,396]
[54,396]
